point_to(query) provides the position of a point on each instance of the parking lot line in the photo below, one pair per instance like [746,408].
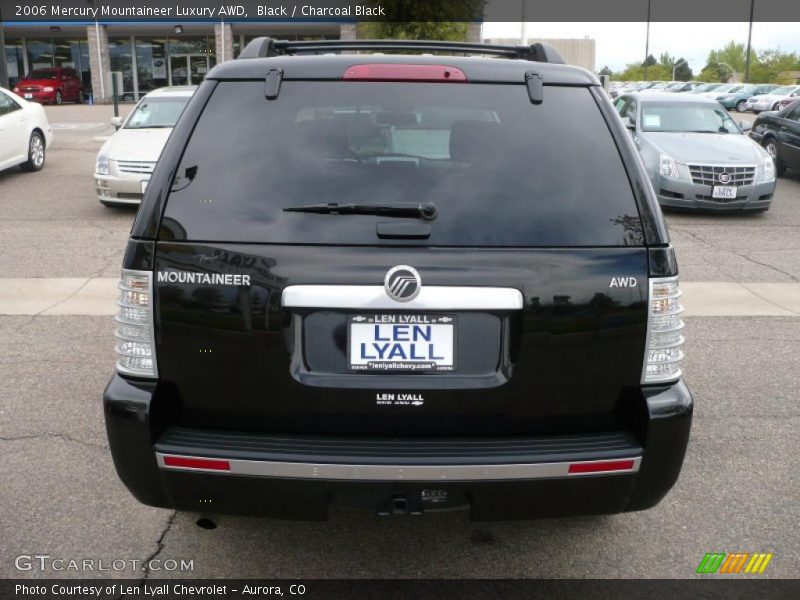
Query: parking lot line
[97,296]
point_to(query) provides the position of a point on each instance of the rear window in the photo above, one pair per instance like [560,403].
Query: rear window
[500,170]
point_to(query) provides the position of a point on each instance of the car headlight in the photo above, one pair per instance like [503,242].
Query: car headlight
[769,169]
[48,89]
[668,167]
[101,168]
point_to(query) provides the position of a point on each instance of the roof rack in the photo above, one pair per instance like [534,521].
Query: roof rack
[263,47]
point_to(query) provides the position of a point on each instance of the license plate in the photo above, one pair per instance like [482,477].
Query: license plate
[398,342]
[726,192]
[144,184]
[28,96]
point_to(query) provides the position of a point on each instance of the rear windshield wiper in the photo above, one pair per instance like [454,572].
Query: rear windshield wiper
[410,211]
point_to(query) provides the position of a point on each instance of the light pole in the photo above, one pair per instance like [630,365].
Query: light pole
[749,37]
[647,41]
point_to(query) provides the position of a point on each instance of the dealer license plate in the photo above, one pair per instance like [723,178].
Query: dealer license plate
[401,342]
[726,192]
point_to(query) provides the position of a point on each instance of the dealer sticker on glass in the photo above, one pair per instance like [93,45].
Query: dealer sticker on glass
[401,342]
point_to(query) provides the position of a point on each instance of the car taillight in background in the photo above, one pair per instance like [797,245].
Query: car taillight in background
[135,341]
[663,354]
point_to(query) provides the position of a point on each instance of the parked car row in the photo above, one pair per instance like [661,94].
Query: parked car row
[696,155]
[741,97]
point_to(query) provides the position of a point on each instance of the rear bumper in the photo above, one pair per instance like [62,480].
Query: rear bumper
[302,476]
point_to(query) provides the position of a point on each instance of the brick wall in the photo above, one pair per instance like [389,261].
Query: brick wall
[100,90]
[226,53]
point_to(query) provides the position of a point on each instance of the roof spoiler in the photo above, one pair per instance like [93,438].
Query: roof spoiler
[263,47]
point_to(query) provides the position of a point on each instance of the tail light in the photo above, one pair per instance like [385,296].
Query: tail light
[663,353]
[136,353]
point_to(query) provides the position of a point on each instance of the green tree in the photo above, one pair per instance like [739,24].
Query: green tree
[635,72]
[666,60]
[771,65]
[446,20]
[682,70]
[733,55]
[715,72]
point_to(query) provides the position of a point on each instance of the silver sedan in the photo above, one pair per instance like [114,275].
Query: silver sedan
[696,155]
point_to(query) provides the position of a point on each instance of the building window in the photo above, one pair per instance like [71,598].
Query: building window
[151,64]
[74,54]
[40,54]
[121,56]
[14,61]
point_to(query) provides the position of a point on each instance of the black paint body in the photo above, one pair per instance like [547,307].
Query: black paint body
[234,360]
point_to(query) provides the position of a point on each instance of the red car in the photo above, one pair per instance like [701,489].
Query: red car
[51,86]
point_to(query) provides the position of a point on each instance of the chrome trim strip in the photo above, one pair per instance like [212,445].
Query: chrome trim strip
[373,297]
[291,470]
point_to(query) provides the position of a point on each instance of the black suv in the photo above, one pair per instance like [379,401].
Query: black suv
[403,282]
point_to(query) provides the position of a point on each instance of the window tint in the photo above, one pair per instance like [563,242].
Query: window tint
[630,110]
[501,171]
[7,104]
[794,115]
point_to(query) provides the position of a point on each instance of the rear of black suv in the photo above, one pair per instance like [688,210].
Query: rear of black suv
[399,282]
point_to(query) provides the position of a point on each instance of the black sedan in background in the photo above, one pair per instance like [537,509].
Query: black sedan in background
[779,134]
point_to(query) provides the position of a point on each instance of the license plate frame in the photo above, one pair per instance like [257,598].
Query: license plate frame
[724,192]
[445,321]
[28,96]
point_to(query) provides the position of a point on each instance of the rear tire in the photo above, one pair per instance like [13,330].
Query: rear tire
[740,106]
[772,149]
[57,99]
[776,106]
[36,153]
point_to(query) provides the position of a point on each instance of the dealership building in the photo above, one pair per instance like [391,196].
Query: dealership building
[149,55]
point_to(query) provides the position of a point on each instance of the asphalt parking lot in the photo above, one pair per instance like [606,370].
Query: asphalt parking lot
[739,489]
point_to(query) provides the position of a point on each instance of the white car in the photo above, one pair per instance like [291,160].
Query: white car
[728,88]
[25,132]
[127,159]
[772,100]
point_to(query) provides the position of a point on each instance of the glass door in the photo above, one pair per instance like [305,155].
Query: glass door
[179,69]
[198,67]
[188,69]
